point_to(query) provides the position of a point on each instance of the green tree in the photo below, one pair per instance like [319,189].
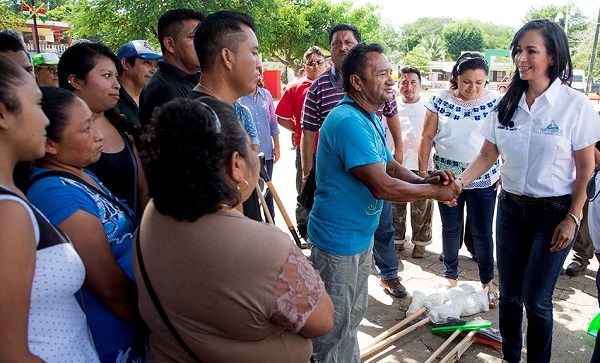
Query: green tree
[463,36]
[578,22]
[8,18]
[418,57]
[289,28]
[434,45]
[497,36]
[412,33]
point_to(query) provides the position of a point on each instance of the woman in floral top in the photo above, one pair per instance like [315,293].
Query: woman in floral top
[452,123]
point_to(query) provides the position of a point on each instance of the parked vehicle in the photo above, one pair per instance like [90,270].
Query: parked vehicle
[426,84]
[579,80]
[502,86]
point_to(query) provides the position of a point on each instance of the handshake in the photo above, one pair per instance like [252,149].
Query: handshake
[448,186]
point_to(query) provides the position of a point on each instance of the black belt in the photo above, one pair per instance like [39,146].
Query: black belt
[559,204]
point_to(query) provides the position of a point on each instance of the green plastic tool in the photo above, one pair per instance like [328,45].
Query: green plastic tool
[471,325]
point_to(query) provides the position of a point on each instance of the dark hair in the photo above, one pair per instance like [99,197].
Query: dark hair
[11,41]
[56,102]
[342,27]
[188,153]
[170,23]
[313,50]
[557,46]
[128,60]
[80,59]
[356,62]
[220,30]
[467,61]
[411,69]
[11,76]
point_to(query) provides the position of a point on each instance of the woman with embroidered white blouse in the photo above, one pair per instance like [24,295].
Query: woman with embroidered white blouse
[545,133]
[452,123]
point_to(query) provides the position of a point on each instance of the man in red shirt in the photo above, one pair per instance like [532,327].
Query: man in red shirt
[288,113]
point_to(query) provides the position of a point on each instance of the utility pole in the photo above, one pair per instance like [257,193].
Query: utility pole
[593,57]
[36,38]
[567,18]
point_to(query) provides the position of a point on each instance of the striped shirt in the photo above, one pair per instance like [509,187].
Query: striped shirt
[324,94]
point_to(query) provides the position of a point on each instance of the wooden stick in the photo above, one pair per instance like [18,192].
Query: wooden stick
[396,327]
[264,204]
[443,346]
[284,214]
[460,348]
[367,352]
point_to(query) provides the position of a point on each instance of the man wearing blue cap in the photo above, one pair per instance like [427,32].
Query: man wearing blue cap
[138,64]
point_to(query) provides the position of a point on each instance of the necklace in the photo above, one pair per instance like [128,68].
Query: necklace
[207,90]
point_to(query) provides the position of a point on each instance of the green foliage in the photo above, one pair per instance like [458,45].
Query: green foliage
[8,18]
[434,46]
[418,57]
[497,36]
[289,28]
[413,33]
[463,36]
[578,22]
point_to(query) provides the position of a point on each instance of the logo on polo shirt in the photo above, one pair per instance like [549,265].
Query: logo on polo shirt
[552,129]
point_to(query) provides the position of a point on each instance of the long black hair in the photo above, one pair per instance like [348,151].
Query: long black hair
[557,46]
[78,60]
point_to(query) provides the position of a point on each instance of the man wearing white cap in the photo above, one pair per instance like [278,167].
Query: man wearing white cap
[45,66]
[138,64]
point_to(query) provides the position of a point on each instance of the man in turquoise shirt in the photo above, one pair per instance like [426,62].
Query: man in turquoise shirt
[355,173]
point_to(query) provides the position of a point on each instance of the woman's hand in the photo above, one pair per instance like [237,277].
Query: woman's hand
[444,177]
[563,234]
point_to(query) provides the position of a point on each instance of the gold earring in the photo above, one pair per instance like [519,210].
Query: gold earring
[247,186]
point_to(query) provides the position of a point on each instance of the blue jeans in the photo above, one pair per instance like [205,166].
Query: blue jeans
[384,252]
[480,208]
[528,272]
[345,279]
[269,196]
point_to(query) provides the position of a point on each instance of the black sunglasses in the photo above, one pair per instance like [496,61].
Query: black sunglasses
[312,63]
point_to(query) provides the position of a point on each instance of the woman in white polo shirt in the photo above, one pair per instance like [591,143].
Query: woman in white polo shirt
[545,132]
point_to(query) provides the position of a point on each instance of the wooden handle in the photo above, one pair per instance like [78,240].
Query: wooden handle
[284,214]
[460,348]
[443,346]
[396,327]
[264,204]
[367,352]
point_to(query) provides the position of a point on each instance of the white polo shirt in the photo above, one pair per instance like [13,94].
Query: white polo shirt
[538,149]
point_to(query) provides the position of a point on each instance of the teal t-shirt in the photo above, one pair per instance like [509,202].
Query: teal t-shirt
[345,214]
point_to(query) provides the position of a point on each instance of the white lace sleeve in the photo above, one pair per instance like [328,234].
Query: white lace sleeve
[299,288]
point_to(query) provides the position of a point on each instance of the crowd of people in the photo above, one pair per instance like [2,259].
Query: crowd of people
[129,192]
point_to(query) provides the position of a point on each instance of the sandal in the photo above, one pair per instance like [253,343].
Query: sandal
[493,299]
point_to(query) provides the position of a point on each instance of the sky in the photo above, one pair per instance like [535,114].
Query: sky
[503,12]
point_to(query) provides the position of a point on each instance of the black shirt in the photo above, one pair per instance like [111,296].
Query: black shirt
[128,107]
[167,83]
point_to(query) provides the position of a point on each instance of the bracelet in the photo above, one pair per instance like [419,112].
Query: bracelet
[461,182]
[577,220]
